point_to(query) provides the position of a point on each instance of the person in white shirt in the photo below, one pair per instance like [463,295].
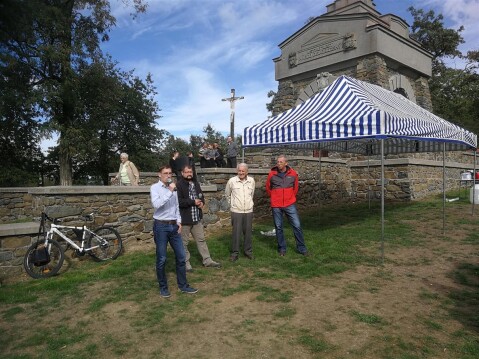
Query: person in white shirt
[239,192]
[167,229]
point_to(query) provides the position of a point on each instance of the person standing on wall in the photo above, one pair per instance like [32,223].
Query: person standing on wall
[239,192]
[175,163]
[219,155]
[210,155]
[167,229]
[128,174]
[191,201]
[231,152]
[202,153]
[190,161]
[282,188]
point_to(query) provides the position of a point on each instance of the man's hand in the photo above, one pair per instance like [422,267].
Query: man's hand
[198,203]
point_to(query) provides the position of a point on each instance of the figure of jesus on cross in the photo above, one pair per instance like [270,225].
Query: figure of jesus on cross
[232,101]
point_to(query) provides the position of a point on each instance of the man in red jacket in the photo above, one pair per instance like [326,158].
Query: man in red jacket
[282,187]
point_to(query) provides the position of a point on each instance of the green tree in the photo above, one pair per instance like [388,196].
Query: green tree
[52,40]
[170,145]
[429,30]
[19,131]
[454,92]
[270,105]
[116,113]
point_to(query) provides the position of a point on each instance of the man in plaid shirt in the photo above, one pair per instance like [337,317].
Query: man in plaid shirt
[191,201]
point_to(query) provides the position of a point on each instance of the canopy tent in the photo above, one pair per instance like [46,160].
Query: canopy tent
[358,117]
[351,109]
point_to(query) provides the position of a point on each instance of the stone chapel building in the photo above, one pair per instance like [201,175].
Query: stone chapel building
[352,38]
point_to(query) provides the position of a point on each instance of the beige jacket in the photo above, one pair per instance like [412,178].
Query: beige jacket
[132,172]
[240,194]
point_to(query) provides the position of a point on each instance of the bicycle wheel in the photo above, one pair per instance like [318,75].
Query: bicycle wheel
[105,243]
[55,259]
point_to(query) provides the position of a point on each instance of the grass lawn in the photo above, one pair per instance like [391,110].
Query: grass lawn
[420,301]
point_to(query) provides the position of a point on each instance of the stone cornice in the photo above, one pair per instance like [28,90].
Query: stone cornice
[410,162]
[75,190]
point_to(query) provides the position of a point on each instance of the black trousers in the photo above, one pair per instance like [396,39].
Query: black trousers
[231,162]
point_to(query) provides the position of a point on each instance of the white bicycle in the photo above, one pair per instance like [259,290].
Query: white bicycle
[44,258]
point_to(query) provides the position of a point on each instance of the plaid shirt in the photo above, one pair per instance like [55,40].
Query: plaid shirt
[195,212]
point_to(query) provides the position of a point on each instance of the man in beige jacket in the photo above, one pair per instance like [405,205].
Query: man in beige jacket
[240,191]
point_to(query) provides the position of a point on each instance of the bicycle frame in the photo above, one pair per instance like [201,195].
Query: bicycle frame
[55,228]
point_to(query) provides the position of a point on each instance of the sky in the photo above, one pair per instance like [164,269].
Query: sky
[198,50]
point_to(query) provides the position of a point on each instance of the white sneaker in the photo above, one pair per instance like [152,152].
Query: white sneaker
[271,233]
[213,264]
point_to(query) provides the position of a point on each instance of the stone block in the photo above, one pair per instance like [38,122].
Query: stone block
[131,218]
[138,226]
[6,256]
[134,208]
[15,241]
[56,211]
[144,236]
[119,208]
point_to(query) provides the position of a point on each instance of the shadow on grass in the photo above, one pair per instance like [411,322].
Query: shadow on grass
[466,299]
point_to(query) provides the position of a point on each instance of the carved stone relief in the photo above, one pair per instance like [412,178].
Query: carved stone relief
[321,46]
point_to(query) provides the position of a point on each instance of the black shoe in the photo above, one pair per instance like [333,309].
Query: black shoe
[282,254]
[249,256]
[233,258]
[189,290]
[165,293]
[306,254]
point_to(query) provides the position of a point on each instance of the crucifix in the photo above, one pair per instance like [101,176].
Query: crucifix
[232,101]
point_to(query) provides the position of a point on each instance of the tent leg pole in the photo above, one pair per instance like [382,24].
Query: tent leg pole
[319,189]
[444,189]
[369,188]
[382,201]
[242,153]
[474,182]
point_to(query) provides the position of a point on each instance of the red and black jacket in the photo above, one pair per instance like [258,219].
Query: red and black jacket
[282,189]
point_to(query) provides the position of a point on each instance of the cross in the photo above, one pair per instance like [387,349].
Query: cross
[232,101]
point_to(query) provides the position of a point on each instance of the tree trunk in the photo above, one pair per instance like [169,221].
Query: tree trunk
[68,97]
[103,157]
[65,162]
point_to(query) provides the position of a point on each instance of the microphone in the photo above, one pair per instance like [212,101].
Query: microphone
[170,181]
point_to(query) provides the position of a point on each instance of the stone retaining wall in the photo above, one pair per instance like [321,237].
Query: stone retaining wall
[128,209]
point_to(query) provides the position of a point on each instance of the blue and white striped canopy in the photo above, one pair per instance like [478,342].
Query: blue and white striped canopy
[350,115]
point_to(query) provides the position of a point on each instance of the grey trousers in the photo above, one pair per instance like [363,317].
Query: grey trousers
[198,235]
[242,227]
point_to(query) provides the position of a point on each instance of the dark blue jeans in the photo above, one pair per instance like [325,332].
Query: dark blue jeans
[164,233]
[293,219]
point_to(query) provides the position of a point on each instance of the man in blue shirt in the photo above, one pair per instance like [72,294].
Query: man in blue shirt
[167,229]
